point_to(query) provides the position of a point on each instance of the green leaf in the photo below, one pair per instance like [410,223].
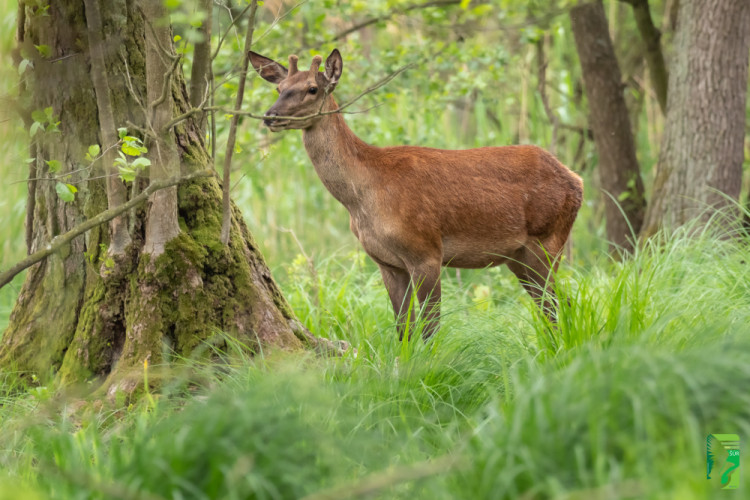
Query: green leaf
[38,116]
[126,173]
[35,128]
[65,192]
[25,64]
[465,4]
[177,38]
[48,112]
[122,132]
[130,150]
[481,10]
[54,166]
[44,50]
[94,151]
[141,163]
[29,160]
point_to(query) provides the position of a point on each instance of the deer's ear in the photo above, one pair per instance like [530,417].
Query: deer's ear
[268,69]
[334,66]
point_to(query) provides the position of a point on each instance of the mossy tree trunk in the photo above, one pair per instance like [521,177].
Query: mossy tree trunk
[86,312]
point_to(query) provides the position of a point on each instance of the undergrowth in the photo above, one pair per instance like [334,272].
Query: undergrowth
[650,354]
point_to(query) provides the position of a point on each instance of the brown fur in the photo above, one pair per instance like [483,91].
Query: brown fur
[416,209]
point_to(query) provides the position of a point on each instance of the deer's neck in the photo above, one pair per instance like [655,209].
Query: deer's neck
[339,157]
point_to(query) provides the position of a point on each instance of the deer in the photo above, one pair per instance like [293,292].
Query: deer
[416,209]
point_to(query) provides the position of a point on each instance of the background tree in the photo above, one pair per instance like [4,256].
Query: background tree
[96,309]
[619,172]
[700,164]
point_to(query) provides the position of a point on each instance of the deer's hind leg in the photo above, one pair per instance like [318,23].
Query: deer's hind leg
[398,283]
[534,266]
[426,280]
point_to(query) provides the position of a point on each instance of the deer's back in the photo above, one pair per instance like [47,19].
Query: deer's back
[495,198]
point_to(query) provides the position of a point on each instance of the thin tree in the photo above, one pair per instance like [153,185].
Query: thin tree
[619,171]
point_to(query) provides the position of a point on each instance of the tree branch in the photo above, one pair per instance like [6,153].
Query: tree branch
[654,57]
[223,36]
[59,241]
[390,14]
[226,183]
[542,84]
[184,116]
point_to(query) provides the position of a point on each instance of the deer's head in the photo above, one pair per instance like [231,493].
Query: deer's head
[301,93]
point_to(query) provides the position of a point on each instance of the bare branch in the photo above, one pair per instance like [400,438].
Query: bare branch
[167,83]
[279,18]
[390,14]
[59,241]
[341,108]
[654,57]
[226,185]
[226,32]
[542,85]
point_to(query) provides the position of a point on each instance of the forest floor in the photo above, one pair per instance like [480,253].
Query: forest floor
[650,356]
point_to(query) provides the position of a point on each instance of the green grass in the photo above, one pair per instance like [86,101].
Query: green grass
[650,356]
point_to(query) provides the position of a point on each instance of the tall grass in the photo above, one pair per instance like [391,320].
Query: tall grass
[649,357]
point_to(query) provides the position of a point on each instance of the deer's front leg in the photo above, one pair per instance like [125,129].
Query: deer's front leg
[426,278]
[399,290]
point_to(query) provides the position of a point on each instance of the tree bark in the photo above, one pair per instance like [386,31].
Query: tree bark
[79,317]
[700,164]
[200,73]
[117,193]
[618,167]
[161,65]
[654,57]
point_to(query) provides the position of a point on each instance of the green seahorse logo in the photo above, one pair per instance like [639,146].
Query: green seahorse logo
[723,460]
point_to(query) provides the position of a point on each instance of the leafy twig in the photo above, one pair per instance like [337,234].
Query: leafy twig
[59,241]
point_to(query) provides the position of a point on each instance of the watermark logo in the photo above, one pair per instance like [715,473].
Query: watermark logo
[723,460]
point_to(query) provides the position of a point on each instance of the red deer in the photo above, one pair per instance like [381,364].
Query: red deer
[416,209]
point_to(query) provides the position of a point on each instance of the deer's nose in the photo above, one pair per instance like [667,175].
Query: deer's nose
[270,114]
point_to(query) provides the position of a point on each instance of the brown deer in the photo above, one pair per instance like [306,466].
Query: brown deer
[415,209]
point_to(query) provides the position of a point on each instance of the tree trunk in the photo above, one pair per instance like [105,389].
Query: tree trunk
[82,315]
[618,167]
[700,164]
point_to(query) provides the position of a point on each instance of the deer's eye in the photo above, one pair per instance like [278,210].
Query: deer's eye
[312,90]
